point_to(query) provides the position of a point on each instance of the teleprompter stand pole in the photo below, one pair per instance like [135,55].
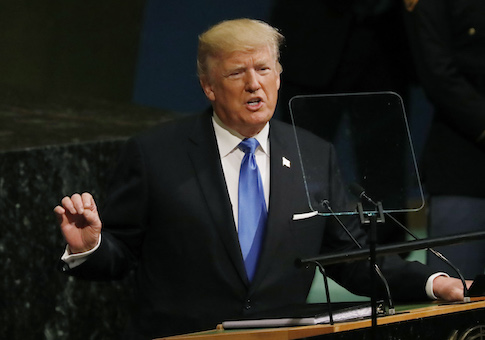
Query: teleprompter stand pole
[369,221]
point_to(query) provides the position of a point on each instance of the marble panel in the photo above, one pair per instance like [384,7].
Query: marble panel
[37,301]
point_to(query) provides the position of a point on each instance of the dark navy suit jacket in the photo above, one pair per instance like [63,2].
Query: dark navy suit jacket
[168,214]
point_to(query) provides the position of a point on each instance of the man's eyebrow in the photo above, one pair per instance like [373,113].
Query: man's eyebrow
[235,68]
[267,62]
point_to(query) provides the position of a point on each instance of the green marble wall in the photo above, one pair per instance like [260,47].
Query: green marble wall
[50,148]
[38,301]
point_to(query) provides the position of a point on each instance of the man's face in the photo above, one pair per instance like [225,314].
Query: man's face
[243,89]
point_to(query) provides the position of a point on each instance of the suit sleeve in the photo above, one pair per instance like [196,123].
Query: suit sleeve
[123,217]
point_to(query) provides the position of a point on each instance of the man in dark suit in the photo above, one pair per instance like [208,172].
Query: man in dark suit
[448,43]
[175,212]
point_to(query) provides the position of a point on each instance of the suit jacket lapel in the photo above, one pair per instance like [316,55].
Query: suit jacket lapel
[207,165]
[282,146]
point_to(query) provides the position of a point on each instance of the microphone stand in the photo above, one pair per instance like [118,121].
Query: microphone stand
[357,190]
[363,254]
[327,291]
[391,309]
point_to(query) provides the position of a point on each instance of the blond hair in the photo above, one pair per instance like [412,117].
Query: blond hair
[236,35]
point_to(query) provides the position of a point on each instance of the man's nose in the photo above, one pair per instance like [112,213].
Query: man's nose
[252,81]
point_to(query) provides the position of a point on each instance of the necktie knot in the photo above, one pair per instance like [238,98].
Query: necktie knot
[249,145]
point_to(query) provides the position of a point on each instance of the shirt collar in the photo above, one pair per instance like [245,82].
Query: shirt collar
[228,139]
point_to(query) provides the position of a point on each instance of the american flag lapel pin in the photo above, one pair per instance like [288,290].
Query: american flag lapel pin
[286,162]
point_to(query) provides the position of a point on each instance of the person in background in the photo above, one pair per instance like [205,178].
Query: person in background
[448,43]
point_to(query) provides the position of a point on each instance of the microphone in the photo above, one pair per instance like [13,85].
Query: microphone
[359,191]
[326,203]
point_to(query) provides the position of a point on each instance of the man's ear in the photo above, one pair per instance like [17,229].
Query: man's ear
[207,88]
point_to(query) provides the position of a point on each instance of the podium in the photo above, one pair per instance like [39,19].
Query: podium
[454,321]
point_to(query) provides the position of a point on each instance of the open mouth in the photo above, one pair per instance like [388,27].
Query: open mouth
[254,102]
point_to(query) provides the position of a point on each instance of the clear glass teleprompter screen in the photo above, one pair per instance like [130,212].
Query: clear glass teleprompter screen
[374,148]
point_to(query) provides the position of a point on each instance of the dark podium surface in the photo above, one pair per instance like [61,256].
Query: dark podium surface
[464,321]
[33,120]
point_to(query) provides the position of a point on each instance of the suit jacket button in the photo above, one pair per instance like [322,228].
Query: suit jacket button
[248,305]
[63,266]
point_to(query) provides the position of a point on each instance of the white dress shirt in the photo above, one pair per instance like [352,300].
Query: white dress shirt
[231,158]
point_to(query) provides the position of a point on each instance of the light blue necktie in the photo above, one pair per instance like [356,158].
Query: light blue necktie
[252,212]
